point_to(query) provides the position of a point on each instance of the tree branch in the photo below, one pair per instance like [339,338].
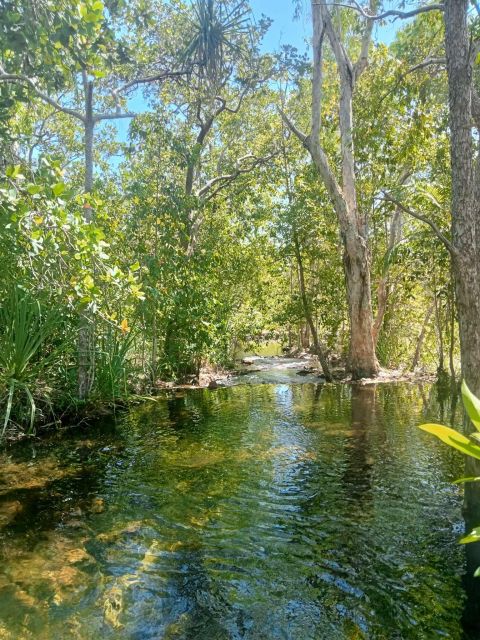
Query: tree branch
[341,56]
[386,14]
[449,246]
[425,63]
[113,116]
[226,179]
[362,61]
[164,75]
[20,79]
[299,134]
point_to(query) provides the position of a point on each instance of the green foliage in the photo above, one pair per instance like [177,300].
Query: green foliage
[29,346]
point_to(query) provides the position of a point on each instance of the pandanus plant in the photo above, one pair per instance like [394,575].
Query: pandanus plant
[467,444]
[25,328]
[216,34]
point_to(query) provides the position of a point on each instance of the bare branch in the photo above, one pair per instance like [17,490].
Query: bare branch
[449,246]
[300,135]
[317,76]
[362,61]
[113,116]
[239,103]
[224,180]
[386,14]
[156,77]
[428,62]
[20,79]
[341,56]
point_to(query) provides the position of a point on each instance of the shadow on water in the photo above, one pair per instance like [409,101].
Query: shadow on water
[267,512]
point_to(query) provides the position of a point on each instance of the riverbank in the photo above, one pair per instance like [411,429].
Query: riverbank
[250,370]
[301,368]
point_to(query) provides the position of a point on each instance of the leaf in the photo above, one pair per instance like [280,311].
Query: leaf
[88,281]
[135,266]
[477,572]
[33,189]
[453,439]
[472,405]
[58,188]
[473,536]
[469,479]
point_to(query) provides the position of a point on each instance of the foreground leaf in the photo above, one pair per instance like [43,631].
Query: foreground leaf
[453,439]
[472,405]
[473,536]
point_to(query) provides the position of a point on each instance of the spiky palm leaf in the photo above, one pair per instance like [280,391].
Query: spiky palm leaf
[217,36]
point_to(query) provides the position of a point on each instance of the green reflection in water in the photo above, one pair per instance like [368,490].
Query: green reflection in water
[258,512]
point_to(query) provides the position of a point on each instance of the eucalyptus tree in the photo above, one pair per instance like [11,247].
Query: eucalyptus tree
[362,361]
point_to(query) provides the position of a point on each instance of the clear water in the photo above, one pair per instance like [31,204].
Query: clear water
[252,512]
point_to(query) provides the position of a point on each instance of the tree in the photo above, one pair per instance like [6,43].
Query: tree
[362,361]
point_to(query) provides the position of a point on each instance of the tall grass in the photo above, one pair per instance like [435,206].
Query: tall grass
[29,345]
[112,364]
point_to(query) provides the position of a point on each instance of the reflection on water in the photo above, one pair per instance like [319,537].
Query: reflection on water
[257,512]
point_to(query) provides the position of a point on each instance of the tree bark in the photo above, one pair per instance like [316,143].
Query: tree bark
[465,259]
[464,208]
[362,361]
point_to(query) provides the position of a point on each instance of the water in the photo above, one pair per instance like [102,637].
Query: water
[259,512]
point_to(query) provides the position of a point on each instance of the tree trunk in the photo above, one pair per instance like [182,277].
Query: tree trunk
[86,336]
[319,348]
[464,213]
[438,326]
[421,337]
[362,361]
[465,259]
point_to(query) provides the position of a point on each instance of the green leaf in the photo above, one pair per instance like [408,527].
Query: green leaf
[453,439]
[58,188]
[469,479]
[477,572]
[472,405]
[473,536]
[135,266]
[88,281]
[34,189]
